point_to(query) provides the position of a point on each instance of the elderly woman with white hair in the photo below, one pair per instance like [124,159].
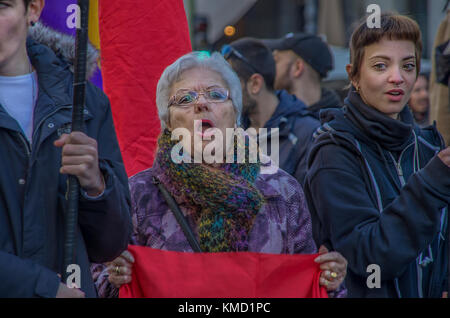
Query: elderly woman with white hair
[227,206]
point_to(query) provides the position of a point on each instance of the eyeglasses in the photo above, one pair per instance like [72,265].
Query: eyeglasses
[227,51]
[187,97]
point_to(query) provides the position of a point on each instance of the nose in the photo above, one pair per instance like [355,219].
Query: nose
[396,76]
[201,104]
[424,93]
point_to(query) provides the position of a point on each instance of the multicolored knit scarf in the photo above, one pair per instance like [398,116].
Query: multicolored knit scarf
[225,198]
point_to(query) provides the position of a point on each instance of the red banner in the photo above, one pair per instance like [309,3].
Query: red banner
[164,274]
[139,39]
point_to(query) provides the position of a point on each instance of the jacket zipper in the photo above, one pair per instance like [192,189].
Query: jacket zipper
[46,117]
[26,143]
[402,182]
[400,174]
[398,165]
[419,279]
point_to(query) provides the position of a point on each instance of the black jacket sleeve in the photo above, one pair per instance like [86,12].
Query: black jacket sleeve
[105,221]
[345,215]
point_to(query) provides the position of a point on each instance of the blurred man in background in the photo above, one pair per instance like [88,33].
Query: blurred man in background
[263,107]
[302,61]
[419,103]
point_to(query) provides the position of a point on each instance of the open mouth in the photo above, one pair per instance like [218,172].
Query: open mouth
[201,127]
[206,124]
[395,95]
[396,92]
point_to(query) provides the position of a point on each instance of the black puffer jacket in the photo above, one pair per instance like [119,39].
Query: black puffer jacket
[378,194]
[32,191]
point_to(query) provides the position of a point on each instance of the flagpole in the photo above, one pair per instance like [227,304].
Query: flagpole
[79,92]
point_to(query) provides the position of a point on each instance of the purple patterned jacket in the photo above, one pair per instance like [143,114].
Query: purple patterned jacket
[283,225]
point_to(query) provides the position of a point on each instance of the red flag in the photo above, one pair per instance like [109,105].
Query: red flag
[165,274]
[139,39]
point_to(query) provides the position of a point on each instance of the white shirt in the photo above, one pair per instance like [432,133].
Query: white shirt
[18,95]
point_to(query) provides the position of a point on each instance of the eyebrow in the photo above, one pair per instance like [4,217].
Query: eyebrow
[384,57]
[193,89]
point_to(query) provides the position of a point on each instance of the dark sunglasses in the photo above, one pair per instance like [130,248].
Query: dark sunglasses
[227,51]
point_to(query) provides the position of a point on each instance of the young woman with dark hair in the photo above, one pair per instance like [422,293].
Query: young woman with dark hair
[378,186]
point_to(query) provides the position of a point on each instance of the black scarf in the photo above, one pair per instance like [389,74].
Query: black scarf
[391,134]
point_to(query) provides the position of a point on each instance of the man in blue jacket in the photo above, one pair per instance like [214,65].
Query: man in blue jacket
[36,155]
[302,62]
[263,107]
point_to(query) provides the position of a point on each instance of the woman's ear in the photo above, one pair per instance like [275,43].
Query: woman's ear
[349,69]
[34,10]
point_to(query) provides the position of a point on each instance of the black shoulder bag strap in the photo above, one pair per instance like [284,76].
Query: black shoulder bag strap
[179,216]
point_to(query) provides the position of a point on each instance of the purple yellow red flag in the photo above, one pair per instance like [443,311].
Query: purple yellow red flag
[137,41]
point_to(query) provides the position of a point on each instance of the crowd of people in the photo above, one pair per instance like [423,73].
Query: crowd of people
[361,181]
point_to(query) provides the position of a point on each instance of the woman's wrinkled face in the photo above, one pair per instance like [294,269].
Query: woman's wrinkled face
[201,114]
[419,101]
[387,75]
[13,33]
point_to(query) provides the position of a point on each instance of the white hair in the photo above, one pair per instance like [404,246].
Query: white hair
[215,63]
